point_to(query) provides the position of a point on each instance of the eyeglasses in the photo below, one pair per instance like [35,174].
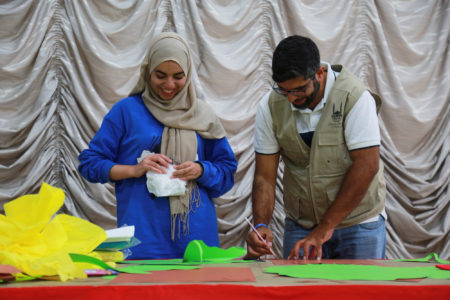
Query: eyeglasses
[299,91]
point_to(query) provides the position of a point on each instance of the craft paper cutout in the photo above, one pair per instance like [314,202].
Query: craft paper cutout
[176,261]
[198,251]
[357,272]
[35,241]
[113,246]
[6,273]
[121,234]
[109,256]
[429,258]
[80,258]
[179,261]
[139,269]
[144,269]
[283,262]
[103,273]
[119,239]
[6,277]
[7,269]
[209,274]
[443,267]
[24,277]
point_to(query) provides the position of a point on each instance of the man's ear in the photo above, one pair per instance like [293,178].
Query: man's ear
[321,73]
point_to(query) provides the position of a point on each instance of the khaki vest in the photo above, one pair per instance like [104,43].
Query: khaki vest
[313,176]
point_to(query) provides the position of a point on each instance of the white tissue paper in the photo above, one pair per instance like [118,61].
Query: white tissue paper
[161,185]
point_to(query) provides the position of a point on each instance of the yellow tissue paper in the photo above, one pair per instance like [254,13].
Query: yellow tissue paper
[108,256]
[38,242]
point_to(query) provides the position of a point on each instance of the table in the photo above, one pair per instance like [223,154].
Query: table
[264,286]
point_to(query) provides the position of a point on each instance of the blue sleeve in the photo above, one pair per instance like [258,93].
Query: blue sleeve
[219,167]
[99,158]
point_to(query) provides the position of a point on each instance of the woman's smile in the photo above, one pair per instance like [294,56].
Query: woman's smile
[167,79]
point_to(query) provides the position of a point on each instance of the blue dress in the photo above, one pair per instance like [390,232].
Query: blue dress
[127,130]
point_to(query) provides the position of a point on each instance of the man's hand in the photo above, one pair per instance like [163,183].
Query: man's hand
[356,182]
[312,244]
[256,247]
[263,202]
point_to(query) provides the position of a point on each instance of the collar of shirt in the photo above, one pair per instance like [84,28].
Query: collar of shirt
[331,78]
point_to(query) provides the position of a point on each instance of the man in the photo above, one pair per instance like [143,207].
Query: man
[323,123]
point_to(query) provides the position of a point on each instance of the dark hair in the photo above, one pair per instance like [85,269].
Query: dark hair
[295,56]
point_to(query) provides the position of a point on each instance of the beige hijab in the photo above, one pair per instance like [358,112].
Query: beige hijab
[182,117]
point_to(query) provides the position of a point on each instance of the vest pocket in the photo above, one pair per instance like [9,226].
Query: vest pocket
[332,156]
[330,138]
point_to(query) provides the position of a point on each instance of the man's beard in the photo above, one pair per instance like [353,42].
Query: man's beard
[311,97]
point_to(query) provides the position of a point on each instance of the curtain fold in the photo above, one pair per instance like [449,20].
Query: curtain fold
[64,63]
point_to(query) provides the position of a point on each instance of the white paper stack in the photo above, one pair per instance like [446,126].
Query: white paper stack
[118,239]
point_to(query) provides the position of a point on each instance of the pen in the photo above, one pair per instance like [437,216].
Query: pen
[259,236]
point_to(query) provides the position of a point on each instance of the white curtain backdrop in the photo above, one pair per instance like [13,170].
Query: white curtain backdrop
[64,63]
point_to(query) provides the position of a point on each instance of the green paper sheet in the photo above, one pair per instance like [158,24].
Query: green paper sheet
[357,272]
[97,262]
[92,260]
[176,261]
[179,261]
[198,251]
[23,277]
[432,255]
[144,269]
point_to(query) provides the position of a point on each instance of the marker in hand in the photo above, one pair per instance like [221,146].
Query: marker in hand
[259,236]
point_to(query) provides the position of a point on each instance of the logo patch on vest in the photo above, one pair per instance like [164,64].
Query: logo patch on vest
[336,116]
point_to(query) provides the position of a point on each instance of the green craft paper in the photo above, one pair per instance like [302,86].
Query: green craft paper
[432,255]
[234,261]
[198,251]
[179,261]
[91,260]
[102,264]
[175,261]
[112,245]
[143,269]
[357,272]
[23,277]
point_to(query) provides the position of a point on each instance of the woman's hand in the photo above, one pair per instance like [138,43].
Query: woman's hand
[188,170]
[153,162]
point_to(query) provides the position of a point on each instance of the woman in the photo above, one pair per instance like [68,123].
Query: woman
[167,120]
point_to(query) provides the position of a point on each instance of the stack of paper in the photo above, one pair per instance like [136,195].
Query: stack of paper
[118,239]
